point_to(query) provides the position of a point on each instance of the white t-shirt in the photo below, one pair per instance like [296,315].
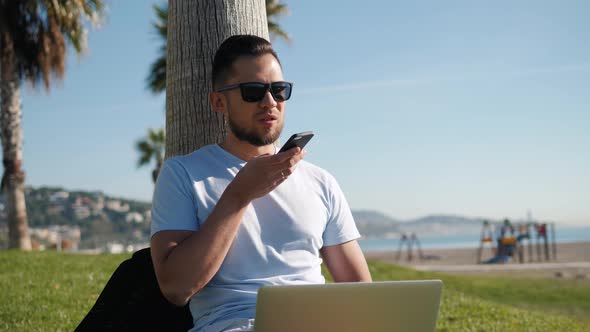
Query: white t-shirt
[278,241]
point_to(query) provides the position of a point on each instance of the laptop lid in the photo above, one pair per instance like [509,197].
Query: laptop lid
[365,307]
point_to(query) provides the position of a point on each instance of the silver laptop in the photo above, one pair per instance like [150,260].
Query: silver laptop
[364,307]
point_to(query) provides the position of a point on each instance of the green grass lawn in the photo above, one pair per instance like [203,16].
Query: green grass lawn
[48,291]
[503,304]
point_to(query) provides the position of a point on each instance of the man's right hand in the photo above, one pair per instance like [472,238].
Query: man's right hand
[263,174]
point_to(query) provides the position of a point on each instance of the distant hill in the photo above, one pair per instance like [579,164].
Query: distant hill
[98,217]
[375,224]
[104,218]
[443,224]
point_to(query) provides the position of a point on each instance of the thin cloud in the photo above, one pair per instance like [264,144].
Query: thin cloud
[468,77]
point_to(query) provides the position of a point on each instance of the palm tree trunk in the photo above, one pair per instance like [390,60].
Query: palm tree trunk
[11,134]
[195,30]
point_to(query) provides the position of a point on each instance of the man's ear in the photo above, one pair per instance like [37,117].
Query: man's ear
[217,101]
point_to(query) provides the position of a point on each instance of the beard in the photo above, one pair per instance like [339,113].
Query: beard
[250,136]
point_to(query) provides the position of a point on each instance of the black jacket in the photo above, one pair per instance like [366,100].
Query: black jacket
[132,301]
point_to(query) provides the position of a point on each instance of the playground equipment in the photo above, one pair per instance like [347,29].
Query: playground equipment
[486,239]
[409,241]
[508,241]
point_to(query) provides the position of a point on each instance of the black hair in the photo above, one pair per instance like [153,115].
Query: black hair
[233,48]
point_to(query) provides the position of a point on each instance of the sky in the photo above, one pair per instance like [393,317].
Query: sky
[470,108]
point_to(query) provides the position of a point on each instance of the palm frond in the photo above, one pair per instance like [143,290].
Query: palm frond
[151,147]
[275,9]
[156,136]
[161,24]
[156,80]
[37,32]
[276,31]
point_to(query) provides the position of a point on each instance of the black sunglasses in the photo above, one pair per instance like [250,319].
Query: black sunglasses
[255,91]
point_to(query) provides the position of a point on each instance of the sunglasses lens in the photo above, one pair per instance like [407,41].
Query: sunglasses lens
[253,92]
[281,91]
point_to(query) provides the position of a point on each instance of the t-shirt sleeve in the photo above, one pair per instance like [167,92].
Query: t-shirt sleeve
[173,206]
[341,227]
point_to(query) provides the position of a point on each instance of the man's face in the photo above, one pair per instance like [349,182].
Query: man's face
[258,123]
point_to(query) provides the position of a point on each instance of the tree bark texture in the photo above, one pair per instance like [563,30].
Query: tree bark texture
[11,135]
[195,31]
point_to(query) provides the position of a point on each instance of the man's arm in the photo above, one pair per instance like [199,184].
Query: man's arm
[185,261]
[346,262]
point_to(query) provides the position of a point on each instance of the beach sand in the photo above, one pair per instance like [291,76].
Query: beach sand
[573,262]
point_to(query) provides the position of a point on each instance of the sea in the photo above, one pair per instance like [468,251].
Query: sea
[466,240]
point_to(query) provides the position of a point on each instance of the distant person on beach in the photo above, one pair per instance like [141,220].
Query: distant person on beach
[229,218]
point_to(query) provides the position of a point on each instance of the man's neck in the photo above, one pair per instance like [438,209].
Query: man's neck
[245,150]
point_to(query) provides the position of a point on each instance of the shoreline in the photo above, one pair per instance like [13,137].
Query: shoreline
[573,261]
[460,246]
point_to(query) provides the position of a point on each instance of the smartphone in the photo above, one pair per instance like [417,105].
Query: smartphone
[299,139]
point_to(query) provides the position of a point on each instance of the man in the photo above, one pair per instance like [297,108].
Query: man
[232,217]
